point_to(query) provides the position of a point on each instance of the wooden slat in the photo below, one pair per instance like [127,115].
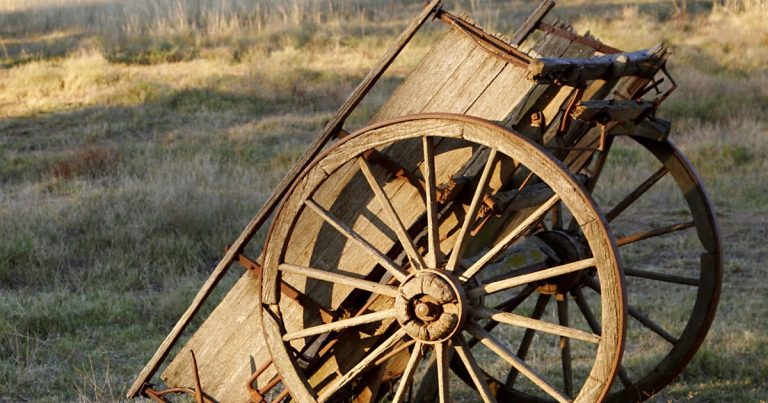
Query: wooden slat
[220,357]
[428,77]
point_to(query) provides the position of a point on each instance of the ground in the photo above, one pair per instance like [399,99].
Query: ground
[138,138]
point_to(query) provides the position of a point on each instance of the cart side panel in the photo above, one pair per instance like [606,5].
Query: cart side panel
[228,347]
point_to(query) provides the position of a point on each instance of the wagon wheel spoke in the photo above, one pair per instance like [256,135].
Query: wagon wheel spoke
[639,236]
[640,317]
[503,352]
[532,323]
[477,374]
[668,278]
[443,353]
[635,194]
[361,366]
[557,217]
[501,285]
[469,218]
[525,343]
[340,324]
[565,344]
[350,234]
[510,238]
[433,248]
[506,306]
[342,279]
[512,303]
[410,369]
[650,324]
[396,224]
[586,312]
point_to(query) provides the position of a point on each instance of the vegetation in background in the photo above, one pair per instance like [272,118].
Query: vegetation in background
[137,138]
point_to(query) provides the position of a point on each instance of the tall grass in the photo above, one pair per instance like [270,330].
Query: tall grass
[138,137]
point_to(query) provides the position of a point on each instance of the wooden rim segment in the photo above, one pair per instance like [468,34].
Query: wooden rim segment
[389,256]
[702,230]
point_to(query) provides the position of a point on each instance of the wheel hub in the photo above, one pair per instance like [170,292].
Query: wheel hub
[431,306]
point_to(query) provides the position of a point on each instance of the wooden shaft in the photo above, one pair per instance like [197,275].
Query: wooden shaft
[533,20]
[528,223]
[443,357]
[433,239]
[525,343]
[635,194]
[565,345]
[668,278]
[639,236]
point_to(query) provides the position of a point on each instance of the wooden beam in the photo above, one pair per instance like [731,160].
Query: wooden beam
[604,111]
[576,72]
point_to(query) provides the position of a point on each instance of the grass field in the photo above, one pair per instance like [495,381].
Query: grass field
[138,138]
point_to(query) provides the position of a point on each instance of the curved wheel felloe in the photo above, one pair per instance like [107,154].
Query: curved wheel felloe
[670,243]
[390,235]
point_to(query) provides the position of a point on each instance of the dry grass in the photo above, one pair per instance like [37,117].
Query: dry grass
[137,138]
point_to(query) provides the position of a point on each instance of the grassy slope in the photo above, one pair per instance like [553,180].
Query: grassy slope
[134,149]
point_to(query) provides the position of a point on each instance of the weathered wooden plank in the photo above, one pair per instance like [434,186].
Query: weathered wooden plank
[466,83]
[428,77]
[228,346]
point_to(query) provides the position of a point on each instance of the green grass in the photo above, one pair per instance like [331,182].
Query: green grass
[137,140]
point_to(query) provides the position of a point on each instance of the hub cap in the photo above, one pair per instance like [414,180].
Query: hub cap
[430,306]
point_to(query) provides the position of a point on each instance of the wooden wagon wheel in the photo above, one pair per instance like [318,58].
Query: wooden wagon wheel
[363,234]
[663,333]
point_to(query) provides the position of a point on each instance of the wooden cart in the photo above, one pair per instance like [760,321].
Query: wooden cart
[415,259]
